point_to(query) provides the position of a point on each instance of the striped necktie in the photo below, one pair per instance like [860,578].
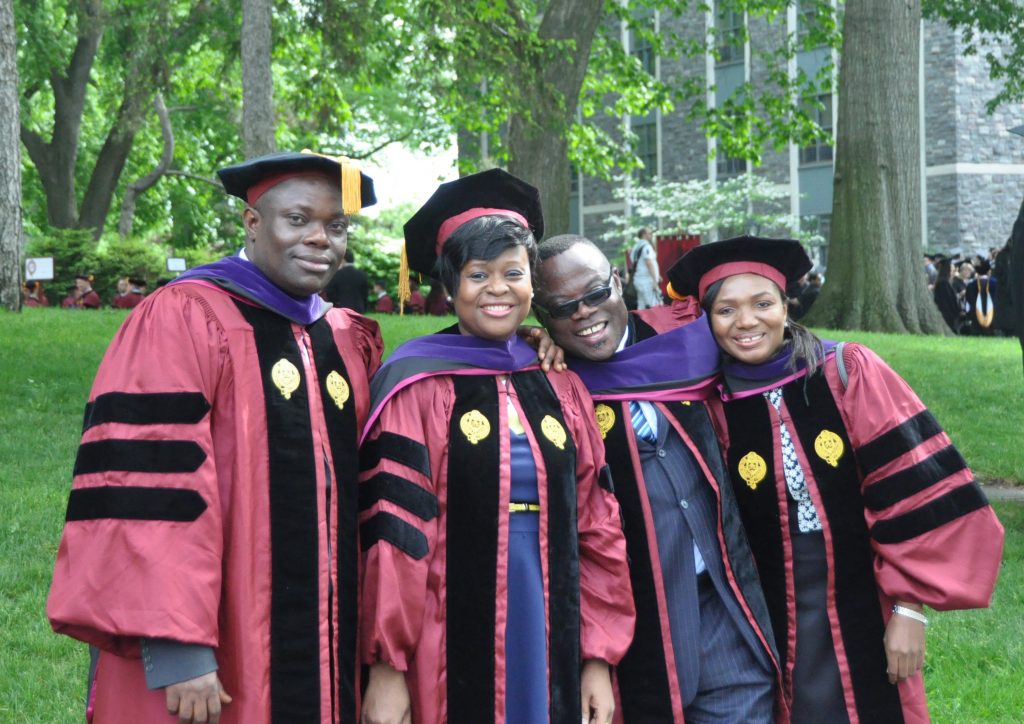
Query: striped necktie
[640,425]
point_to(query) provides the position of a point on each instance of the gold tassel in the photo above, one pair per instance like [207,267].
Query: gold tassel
[351,182]
[404,290]
[351,187]
[673,294]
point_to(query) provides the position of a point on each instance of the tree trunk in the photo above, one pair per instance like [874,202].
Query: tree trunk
[875,276]
[258,122]
[10,164]
[55,161]
[110,162]
[151,52]
[538,138]
[542,160]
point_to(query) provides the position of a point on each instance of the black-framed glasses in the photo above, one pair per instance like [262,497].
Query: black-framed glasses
[566,309]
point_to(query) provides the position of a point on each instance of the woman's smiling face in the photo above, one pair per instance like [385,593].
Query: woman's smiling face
[494,296]
[748,318]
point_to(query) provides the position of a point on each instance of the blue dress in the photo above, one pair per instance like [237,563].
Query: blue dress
[526,699]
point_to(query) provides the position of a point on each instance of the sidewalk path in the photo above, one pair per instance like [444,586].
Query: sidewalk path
[1003,492]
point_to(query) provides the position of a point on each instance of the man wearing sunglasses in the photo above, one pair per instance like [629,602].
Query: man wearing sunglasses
[703,649]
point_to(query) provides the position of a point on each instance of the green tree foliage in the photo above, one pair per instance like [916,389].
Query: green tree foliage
[353,77]
[495,69]
[91,69]
[88,65]
[482,60]
[992,28]
[750,120]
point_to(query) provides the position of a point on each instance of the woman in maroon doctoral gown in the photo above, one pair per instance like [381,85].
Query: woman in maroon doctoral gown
[495,579]
[858,508]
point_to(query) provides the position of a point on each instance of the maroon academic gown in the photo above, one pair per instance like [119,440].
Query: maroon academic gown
[902,517]
[436,541]
[126,301]
[90,300]
[647,687]
[416,302]
[384,305]
[214,503]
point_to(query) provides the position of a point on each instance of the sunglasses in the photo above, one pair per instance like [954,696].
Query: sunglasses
[592,298]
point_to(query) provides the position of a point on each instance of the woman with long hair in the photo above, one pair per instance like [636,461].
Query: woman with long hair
[859,509]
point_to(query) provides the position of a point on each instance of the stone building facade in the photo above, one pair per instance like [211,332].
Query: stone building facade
[972,168]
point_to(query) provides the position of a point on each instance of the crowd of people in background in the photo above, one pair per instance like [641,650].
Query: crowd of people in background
[968,294]
[350,288]
[80,295]
[966,290]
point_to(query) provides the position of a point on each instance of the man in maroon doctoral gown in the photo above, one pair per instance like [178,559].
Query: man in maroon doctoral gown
[209,554]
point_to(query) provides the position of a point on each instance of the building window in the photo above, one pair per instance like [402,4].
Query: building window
[640,42]
[646,130]
[805,17]
[729,36]
[729,166]
[821,113]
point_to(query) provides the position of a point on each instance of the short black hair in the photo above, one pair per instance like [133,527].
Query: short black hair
[560,244]
[484,238]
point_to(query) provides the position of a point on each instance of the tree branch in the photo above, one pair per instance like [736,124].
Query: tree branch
[36,146]
[134,190]
[380,146]
[195,177]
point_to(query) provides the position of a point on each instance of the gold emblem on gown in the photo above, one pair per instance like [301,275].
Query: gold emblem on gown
[286,377]
[752,469]
[829,447]
[474,426]
[553,431]
[338,389]
[605,416]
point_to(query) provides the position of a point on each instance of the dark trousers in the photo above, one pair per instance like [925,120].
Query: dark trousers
[734,685]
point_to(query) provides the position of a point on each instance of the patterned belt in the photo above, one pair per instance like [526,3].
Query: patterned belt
[524,507]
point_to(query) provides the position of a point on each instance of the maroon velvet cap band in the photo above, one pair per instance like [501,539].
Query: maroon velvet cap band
[269,182]
[733,268]
[450,225]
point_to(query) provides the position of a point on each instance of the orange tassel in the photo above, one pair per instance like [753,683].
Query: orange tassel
[351,182]
[404,290]
[673,294]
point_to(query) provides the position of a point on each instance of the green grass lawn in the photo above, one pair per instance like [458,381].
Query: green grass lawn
[47,361]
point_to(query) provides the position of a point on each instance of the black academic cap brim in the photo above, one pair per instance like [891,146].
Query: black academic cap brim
[238,179]
[493,189]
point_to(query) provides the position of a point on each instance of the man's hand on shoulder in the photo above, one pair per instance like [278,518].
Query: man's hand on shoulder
[551,356]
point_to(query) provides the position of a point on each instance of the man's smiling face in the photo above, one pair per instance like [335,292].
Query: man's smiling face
[589,332]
